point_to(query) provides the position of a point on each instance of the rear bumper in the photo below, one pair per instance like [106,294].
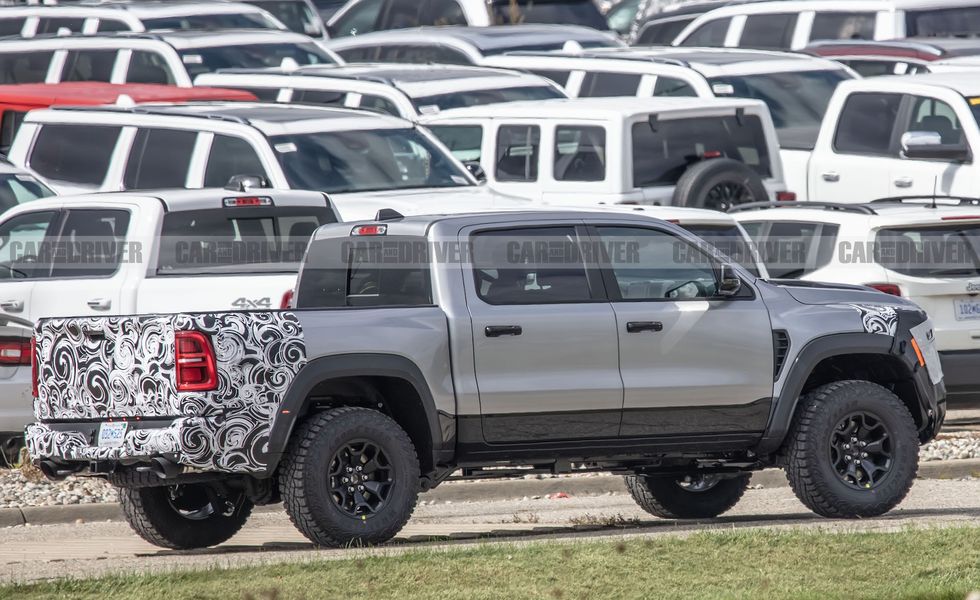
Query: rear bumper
[961,371]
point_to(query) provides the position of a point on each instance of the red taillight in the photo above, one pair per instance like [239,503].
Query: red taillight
[711,154]
[370,230]
[888,288]
[785,196]
[247,201]
[961,218]
[16,352]
[287,300]
[33,351]
[195,362]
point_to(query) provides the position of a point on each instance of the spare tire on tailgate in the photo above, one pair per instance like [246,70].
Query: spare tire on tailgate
[719,184]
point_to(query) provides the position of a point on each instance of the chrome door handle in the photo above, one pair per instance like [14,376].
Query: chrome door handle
[831,176]
[12,305]
[903,182]
[100,303]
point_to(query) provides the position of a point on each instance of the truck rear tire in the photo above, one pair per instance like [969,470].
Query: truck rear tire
[349,476]
[183,517]
[698,497]
[719,184]
[853,450]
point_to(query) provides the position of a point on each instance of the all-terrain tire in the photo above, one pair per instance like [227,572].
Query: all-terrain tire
[810,468]
[663,496]
[311,500]
[151,513]
[694,188]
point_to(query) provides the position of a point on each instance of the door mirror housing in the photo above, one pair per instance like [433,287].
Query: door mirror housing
[729,283]
[476,170]
[928,145]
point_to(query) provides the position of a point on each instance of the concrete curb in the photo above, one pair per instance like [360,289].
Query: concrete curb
[464,492]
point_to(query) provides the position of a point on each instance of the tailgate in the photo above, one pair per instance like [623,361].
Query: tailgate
[109,367]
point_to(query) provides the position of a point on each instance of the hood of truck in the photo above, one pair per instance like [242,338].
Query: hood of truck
[818,293]
[424,201]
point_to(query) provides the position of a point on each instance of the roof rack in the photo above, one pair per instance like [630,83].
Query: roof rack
[599,55]
[149,109]
[929,200]
[862,209]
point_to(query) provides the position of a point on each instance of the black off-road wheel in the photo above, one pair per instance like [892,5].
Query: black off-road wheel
[719,184]
[350,476]
[183,517]
[853,450]
[702,496]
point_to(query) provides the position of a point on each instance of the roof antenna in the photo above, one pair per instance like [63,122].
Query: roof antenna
[935,186]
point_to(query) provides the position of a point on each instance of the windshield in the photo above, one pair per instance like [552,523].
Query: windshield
[730,240]
[250,56]
[250,20]
[946,251]
[295,15]
[16,188]
[797,100]
[480,97]
[566,12]
[363,161]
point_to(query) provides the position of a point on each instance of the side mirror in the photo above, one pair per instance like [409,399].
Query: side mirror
[729,283]
[928,145]
[476,170]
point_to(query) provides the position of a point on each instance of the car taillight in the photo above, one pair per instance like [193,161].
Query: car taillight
[785,196]
[195,362]
[15,352]
[888,288]
[33,367]
[287,300]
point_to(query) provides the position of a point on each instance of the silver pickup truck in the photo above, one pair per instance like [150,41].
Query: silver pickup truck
[428,348]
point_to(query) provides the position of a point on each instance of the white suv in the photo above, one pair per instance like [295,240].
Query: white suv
[924,250]
[405,91]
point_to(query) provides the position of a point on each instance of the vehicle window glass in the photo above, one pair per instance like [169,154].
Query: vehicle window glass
[320,97]
[712,33]
[25,67]
[843,26]
[22,255]
[74,153]
[91,243]
[53,24]
[935,252]
[480,97]
[559,77]
[342,272]
[792,249]
[620,17]
[876,68]
[361,18]
[110,25]
[365,54]
[241,20]
[960,21]
[663,33]
[379,104]
[237,240]
[518,152]
[296,15]
[442,12]
[9,124]
[422,54]
[231,156]
[159,158]
[401,14]
[660,157]
[772,32]
[668,86]
[530,266]
[929,114]
[250,56]
[149,67]
[11,26]
[567,12]
[580,153]
[464,141]
[89,65]
[730,240]
[603,85]
[665,266]
[867,123]
[265,94]
[17,188]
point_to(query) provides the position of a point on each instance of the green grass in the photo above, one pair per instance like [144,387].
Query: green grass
[922,564]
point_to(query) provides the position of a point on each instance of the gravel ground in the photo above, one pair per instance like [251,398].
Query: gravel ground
[26,488]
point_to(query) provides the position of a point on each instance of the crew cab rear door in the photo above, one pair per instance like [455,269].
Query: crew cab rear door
[692,363]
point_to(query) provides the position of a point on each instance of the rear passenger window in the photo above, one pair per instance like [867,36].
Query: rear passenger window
[110,25]
[661,34]
[89,65]
[464,141]
[231,156]
[580,153]
[604,85]
[320,97]
[530,266]
[559,77]
[159,158]
[53,24]
[74,153]
[11,26]
[668,86]
[92,242]
[712,33]
[867,123]
[843,26]
[149,67]
[517,152]
[9,124]
[366,54]
[774,32]
[379,104]
[25,67]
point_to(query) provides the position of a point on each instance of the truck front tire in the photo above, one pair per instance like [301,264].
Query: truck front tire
[853,450]
[694,497]
[350,476]
[183,517]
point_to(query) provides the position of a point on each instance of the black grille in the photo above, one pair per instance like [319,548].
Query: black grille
[780,349]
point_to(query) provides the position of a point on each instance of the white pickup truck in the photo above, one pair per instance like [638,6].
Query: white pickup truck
[914,135]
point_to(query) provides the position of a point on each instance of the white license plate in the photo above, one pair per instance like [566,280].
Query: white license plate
[925,338]
[966,310]
[112,435]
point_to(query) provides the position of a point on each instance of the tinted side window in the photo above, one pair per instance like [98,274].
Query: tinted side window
[379,104]
[929,114]
[443,12]
[20,245]
[518,152]
[25,67]
[149,67]
[11,26]
[580,153]
[361,18]
[263,94]
[602,85]
[230,156]
[768,31]
[89,65]
[53,24]
[159,158]
[401,14]
[529,266]
[959,21]
[792,249]
[109,25]
[867,123]
[843,26]
[464,141]
[366,54]
[74,153]
[422,54]
[93,243]
[662,34]
[321,97]
[711,33]
[668,86]
[559,77]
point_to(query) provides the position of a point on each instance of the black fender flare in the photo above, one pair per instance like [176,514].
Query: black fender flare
[293,406]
